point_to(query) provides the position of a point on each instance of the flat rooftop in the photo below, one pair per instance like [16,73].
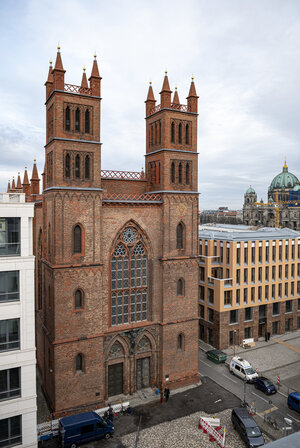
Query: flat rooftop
[233,232]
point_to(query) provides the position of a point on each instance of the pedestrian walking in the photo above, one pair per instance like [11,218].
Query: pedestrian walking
[167,394]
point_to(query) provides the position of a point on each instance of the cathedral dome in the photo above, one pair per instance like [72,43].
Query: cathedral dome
[250,190]
[284,180]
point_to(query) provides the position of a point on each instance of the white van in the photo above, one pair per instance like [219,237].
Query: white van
[243,369]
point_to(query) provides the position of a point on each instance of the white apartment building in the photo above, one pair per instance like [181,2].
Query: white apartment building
[17,336]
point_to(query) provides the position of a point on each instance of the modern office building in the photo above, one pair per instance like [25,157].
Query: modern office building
[17,334]
[249,283]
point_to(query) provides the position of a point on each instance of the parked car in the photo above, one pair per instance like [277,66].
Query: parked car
[264,385]
[216,356]
[242,369]
[294,401]
[247,428]
[83,428]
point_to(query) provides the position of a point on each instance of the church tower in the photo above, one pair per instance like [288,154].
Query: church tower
[172,171]
[71,239]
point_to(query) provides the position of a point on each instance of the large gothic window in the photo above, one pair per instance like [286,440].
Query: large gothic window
[129,278]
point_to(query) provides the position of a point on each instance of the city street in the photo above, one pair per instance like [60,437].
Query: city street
[274,405]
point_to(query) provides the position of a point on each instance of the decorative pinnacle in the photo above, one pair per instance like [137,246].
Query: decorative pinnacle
[95,55]
[58,48]
[84,69]
[34,160]
[192,77]
[13,177]
[25,167]
[166,71]
[50,62]
[18,172]
[150,82]
[175,87]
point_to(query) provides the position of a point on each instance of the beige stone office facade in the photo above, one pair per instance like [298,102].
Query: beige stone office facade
[249,283]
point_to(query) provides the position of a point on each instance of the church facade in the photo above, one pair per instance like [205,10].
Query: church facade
[283,206]
[116,252]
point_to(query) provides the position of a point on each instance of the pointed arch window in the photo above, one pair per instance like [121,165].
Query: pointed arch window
[180,173]
[180,133]
[68,166]
[79,363]
[180,287]
[77,166]
[78,299]
[77,240]
[87,167]
[173,172]
[173,132]
[68,118]
[179,236]
[77,120]
[129,278]
[87,121]
[179,342]
[187,137]
[187,173]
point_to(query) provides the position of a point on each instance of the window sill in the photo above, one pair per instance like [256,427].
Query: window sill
[250,320]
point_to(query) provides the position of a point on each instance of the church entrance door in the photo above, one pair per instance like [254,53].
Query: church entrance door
[115,379]
[142,373]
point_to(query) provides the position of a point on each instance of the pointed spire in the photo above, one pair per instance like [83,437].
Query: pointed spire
[192,92]
[8,186]
[50,74]
[50,80]
[58,62]
[285,165]
[58,72]
[25,180]
[34,175]
[35,187]
[192,99]
[165,94]
[84,82]
[19,183]
[95,79]
[150,101]
[13,186]
[166,85]
[150,96]
[95,70]
[176,97]
[26,183]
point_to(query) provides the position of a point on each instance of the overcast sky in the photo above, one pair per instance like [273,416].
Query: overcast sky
[244,55]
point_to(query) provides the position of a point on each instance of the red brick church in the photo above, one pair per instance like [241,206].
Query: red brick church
[116,252]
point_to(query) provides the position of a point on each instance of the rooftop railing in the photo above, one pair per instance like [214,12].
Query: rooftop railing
[124,197]
[123,175]
[78,89]
[180,107]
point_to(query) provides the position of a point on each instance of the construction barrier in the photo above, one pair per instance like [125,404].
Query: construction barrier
[211,426]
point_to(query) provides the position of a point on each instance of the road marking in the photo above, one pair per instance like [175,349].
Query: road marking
[268,411]
[293,418]
[260,397]
[229,378]
[279,341]
[208,365]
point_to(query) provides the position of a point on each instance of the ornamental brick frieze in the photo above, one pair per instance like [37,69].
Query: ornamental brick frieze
[178,264]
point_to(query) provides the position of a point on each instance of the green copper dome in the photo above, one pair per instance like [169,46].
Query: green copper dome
[250,190]
[284,179]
